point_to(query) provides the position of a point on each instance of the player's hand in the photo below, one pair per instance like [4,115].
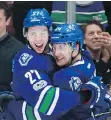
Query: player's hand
[98,91]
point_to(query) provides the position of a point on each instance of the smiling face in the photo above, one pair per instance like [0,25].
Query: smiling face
[62,53]
[92,37]
[38,38]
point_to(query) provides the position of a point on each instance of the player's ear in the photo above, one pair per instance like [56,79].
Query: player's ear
[26,35]
[25,32]
[75,52]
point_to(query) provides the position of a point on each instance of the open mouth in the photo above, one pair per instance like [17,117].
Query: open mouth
[39,45]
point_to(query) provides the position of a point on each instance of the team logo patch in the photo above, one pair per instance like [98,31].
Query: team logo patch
[24,59]
[75,83]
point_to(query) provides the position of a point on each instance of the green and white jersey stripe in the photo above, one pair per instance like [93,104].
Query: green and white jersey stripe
[47,100]
[29,113]
[46,104]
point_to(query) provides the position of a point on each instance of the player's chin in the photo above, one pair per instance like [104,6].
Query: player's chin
[39,50]
[60,63]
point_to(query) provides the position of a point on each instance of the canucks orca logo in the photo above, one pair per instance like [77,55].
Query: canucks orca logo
[24,59]
[75,83]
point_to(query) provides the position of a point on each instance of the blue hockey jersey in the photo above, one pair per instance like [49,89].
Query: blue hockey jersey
[31,80]
[72,77]
[24,111]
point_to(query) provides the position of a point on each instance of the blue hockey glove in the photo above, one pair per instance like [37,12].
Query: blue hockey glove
[104,110]
[98,91]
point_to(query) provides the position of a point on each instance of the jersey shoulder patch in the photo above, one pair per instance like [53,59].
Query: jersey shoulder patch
[24,59]
[75,83]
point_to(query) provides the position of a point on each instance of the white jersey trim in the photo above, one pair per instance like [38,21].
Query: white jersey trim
[23,111]
[51,109]
[41,97]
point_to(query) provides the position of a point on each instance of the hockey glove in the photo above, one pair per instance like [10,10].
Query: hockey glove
[98,91]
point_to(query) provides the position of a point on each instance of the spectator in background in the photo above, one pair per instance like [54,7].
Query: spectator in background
[9,46]
[98,43]
[20,9]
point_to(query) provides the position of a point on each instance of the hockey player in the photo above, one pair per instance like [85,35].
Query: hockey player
[76,66]
[32,68]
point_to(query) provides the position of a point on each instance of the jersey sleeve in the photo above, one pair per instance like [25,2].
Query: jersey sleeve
[36,88]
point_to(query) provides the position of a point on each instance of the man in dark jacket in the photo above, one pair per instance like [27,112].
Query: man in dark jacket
[9,46]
